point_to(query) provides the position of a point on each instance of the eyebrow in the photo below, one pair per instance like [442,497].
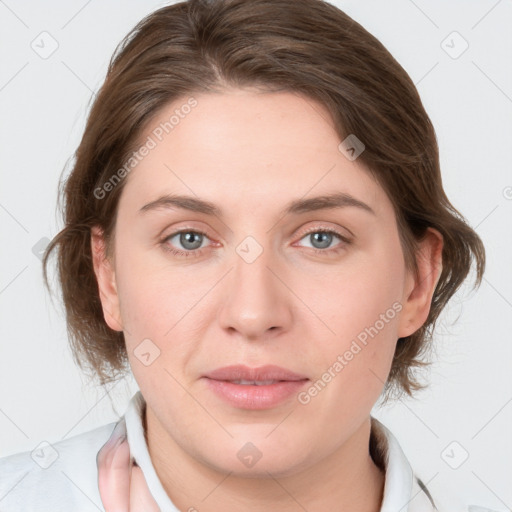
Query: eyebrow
[297,206]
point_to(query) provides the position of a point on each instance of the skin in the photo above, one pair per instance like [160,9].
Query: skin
[251,153]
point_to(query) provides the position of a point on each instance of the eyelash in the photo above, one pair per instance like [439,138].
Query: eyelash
[198,252]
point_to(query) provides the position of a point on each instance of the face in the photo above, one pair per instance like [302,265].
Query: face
[321,292]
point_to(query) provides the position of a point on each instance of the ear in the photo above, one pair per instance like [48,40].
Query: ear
[418,290]
[105,275]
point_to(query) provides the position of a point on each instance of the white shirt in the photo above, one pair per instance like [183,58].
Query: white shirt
[63,476]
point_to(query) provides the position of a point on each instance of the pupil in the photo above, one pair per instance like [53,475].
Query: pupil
[188,238]
[323,238]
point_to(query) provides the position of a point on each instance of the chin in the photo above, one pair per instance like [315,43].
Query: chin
[264,468]
[257,455]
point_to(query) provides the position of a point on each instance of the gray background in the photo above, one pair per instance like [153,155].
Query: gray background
[467,411]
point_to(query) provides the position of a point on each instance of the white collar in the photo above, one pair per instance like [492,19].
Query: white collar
[401,489]
[139,452]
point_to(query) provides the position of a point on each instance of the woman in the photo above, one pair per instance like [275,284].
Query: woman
[255,226]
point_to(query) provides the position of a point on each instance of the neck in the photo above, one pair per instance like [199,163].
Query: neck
[348,479]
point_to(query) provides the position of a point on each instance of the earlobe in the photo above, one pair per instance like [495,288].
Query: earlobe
[105,276]
[420,289]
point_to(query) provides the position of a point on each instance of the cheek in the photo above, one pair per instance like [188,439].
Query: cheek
[153,296]
[162,304]
[360,304]
[363,293]
[352,365]
[155,310]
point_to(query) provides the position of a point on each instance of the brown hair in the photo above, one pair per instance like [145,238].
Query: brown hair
[308,47]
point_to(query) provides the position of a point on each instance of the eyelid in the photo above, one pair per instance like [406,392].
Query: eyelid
[172,231]
[325,228]
[302,233]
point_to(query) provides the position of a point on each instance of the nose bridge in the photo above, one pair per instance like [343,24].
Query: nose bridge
[256,300]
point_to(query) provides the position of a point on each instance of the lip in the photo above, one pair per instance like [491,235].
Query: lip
[254,397]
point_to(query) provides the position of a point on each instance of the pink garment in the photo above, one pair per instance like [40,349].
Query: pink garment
[121,482]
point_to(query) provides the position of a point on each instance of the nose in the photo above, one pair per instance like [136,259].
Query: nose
[257,303]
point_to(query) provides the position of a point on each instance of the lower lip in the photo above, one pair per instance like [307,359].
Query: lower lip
[255,397]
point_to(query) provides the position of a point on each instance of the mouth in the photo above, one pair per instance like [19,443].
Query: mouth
[261,375]
[259,388]
[254,382]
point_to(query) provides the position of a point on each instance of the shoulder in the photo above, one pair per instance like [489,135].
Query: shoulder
[60,476]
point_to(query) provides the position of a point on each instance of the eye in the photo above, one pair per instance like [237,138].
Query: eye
[192,242]
[322,239]
[190,239]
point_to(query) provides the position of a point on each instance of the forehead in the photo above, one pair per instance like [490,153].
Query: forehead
[246,148]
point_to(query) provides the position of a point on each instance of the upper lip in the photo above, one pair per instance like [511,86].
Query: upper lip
[261,373]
